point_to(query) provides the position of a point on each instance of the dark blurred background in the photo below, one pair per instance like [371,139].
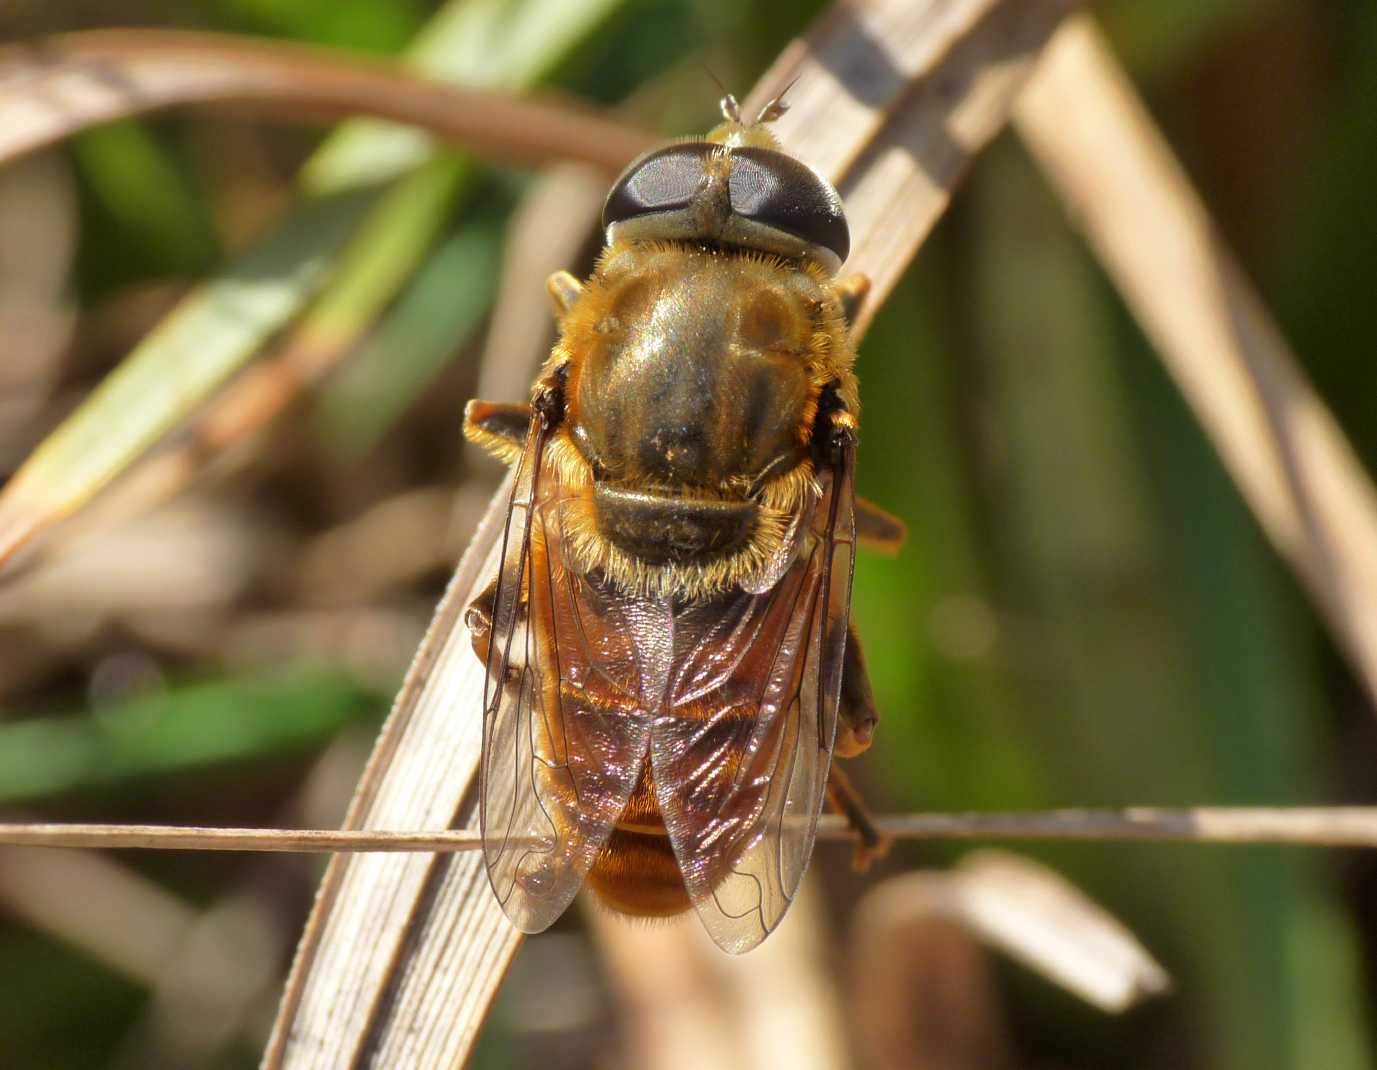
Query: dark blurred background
[1085,613]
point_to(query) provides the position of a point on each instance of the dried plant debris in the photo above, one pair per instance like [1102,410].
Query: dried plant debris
[54,87]
[1122,185]
[1028,911]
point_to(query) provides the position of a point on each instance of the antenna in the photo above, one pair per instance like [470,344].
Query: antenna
[776,107]
[731,110]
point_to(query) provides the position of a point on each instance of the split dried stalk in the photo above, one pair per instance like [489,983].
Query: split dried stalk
[684,1005]
[53,87]
[893,101]
[1122,185]
[402,955]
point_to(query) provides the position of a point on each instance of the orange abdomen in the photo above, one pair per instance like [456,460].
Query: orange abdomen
[637,872]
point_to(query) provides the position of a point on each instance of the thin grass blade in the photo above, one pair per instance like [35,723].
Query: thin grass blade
[1279,441]
[173,371]
[53,88]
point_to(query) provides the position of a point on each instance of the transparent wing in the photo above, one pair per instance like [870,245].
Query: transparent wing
[564,738]
[741,749]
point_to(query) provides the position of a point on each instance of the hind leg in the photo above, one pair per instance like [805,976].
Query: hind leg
[856,722]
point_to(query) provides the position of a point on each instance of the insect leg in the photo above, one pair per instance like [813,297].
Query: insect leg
[564,290]
[499,427]
[878,529]
[478,619]
[856,721]
[871,843]
[851,291]
[856,715]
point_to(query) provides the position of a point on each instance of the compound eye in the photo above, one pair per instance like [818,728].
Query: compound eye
[660,181]
[777,204]
[778,191]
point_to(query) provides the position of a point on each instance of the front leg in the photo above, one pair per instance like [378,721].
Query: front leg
[502,427]
[499,427]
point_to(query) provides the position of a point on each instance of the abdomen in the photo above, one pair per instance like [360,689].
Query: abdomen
[637,872]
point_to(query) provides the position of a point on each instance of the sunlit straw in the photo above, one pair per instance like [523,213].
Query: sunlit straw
[1354,826]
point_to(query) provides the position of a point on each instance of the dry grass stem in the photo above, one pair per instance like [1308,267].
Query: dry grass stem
[201,838]
[1101,150]
[1038,917]
[685,1005]
[892,101]
[51,88]
[402,955]
[1318,826]
[921,986]
[257,397]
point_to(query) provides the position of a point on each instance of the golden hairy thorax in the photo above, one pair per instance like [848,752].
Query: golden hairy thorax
[693,378]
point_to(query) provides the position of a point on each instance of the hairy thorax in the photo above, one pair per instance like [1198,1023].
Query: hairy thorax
[692,397]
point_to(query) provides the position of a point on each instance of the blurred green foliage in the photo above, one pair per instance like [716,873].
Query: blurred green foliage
[1085,614]
[181,730]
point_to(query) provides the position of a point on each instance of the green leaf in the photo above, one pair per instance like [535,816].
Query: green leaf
[178,732]
[143,194]
[191,353]
[484,44]
[949,731]
[431,322]
[360,24]
[384,253]
[1155,620]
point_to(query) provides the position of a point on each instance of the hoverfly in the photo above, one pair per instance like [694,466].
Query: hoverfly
[668,665]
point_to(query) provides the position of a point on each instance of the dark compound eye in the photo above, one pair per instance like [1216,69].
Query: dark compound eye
[776,190]
[660,181]
[770,191]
